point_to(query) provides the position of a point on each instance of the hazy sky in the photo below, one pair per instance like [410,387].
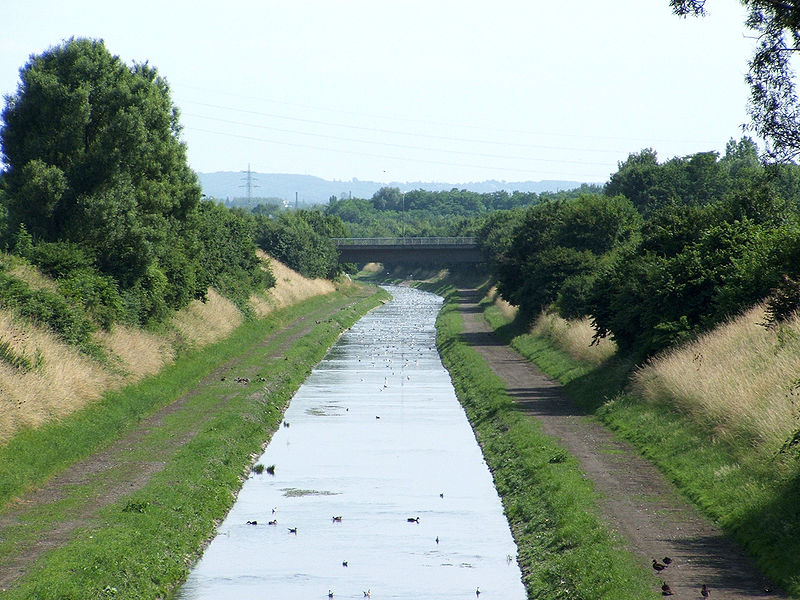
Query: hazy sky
[415,90]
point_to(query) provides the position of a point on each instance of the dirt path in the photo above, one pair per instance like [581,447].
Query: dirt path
[121,474]
[636,500]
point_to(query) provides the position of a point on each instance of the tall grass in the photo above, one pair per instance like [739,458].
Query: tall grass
[64,379]
[576,338]
[202,323]
[290,287]
[740,380]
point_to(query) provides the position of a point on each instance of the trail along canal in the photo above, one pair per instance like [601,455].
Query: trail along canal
[375,436]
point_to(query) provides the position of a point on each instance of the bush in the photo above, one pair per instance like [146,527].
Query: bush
[48,310]
[97,293]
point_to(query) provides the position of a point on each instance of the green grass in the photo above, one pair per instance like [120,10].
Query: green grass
[753,497]
[142,546]
[565,550]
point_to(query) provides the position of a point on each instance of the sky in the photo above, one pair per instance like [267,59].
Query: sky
[433,90]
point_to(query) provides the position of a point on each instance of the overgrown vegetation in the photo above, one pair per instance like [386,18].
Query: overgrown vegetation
[667,252]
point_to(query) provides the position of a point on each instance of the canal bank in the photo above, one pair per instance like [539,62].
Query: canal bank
[566,549]
[129,519]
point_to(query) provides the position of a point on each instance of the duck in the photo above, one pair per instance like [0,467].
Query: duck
[658,566]
[667,560]
[252,522]
[367,594]
[413,519]
[344,563]
[293,530]
[705,592]
[330,594]
[437,539]
[337,519]
[666,590]
[273,522]
[477,592]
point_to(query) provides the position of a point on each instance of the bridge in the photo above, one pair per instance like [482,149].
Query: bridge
[437,250]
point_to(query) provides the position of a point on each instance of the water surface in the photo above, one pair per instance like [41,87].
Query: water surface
[376,436]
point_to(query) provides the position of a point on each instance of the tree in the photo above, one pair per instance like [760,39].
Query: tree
[302,241]
[774,107]
[388,198]
[558,242]
[94,157]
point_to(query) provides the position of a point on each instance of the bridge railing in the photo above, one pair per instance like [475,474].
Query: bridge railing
[408,241]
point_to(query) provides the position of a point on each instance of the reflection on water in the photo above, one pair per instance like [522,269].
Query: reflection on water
[379,484]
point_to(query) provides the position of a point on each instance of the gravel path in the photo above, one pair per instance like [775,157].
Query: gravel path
[635,498]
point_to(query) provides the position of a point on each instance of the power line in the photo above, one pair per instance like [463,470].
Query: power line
[467,125]
[391,145]
[390,157]
[394,131]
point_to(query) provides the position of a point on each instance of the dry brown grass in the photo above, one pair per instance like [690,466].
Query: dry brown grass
[574,338]
[507,309]
[290,288]
[371,268]
[136,352]
[202,323]
[740,379]
[65,381]
[69,380]
[32,276]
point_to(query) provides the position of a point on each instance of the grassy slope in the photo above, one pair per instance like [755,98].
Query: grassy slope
[143,544]
[565,551]
[752,495]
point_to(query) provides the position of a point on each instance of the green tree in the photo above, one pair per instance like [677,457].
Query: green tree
[563,241]
[94,157]
[388,198]
[302,241]
[774,107]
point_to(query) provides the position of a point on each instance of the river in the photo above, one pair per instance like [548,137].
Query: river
[375,436]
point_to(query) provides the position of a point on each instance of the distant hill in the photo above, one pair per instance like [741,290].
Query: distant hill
[314,190]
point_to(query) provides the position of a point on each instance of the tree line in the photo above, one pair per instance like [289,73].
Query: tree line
[666,251]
